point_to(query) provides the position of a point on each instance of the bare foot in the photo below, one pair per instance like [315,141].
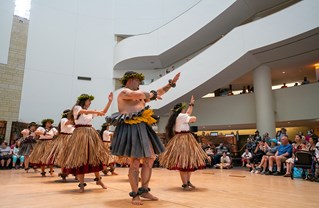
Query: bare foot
[187,188]
[149,196]
[81,190]
[137,201]
[99,182]
[191,185]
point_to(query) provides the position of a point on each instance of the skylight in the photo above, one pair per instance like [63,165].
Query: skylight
[22,8]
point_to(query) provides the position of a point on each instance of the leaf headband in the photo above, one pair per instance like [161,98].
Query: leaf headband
[86,97]
[183,105]
[131,75]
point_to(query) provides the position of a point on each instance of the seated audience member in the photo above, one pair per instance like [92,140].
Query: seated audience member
[284,152]
[258,153]
[16,156]
[210,153]
[220,150]
[270,151]
[280,134]
[310,132]
[246,157]
[296,146]
[266,138]
[5,155]
[225,162]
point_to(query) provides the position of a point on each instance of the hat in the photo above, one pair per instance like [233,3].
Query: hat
[32,124]
[273,140]
[44,121]
[131,75]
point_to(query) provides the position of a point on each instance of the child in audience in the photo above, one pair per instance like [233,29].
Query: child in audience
[16,156]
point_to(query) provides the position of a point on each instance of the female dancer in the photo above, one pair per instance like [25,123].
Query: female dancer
[84,151]
[65,129]
[27,144]
[106,136]
[182,152]
[46,133]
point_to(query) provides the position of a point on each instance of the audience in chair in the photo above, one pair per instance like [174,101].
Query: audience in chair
[284,152]
[16,156]
[5,155]
[259,152]
[271,151]
[298,145]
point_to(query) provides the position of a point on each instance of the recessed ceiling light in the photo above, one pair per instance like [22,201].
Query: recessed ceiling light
[288,121]
[284,72]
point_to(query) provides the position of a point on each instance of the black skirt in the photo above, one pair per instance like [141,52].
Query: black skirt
[136,141]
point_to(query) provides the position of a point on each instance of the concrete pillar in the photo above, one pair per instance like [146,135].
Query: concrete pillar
[265,115]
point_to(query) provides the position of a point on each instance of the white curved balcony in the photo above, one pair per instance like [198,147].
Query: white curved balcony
[204,23]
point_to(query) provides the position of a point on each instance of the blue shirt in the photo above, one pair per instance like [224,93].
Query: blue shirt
[282,149]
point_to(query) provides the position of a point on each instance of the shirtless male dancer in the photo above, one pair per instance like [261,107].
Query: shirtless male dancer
[134,136]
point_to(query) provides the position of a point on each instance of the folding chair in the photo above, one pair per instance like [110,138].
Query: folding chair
[303,161]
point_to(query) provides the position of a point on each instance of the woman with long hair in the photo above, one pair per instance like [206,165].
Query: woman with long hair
[28,142]
[46,133]
[84,151]
[65,129]
[182,152]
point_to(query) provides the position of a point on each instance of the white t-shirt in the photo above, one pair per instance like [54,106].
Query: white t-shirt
[84,119]
[225,159]
[106,136]
[66,128]
[48,134]
[182,121]
[246,155]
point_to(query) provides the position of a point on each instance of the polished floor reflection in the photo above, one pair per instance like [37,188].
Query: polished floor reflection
[215,188]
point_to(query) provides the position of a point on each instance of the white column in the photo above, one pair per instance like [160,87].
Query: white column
[265,115]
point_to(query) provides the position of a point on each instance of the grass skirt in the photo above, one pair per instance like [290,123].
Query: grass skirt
[27,146]
[84,152]
[37,157]
[136,141]
[183,153]
[113,158]
[55,151]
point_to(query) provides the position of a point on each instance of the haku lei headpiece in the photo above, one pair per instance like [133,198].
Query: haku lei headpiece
[180,108]
[86,97]
[131,74]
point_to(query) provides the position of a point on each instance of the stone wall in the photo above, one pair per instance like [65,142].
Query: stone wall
[11,74]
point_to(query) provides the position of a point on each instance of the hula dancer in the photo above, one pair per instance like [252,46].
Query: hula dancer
[134,136]
[106,136]
[65,130]
[84,151]
[27,143]
[46,133]
[182,152]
